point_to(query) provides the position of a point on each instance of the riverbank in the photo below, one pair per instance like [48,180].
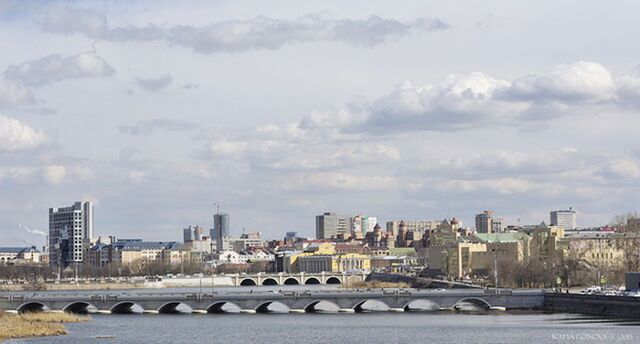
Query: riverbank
[70,286]
[376,285]
[36,324]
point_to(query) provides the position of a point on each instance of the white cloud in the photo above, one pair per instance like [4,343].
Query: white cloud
[267,33]
[154,84]
[622,168]
[581,80]
[54,174]
[55,67]
[477,100]
[15,135]
[241,35]
[12,95]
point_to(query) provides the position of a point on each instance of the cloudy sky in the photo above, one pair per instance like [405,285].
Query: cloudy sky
[281,110]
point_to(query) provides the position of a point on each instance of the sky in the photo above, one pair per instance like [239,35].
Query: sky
[282,110]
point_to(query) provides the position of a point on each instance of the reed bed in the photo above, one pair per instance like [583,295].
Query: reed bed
[376,285]
[36,324]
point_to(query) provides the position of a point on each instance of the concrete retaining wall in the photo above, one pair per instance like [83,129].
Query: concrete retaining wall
[611,306]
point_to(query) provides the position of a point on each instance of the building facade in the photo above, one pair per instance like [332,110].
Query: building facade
[332,225]
[220,230]
[484,222]
[563,218]
[70,233]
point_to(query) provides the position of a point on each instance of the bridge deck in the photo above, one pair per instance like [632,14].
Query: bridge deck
[258,300]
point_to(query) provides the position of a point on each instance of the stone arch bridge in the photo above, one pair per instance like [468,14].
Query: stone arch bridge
[260,302]
[295,279]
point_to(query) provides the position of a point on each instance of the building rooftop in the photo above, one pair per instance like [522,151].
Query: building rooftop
[402,251]
[18,249]
[501,237]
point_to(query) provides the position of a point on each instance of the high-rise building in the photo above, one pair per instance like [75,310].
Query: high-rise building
[187,235]
[359,225]
[70,233]
[484,222]
[330,225]
[564,218]
[220,229]
[192,233]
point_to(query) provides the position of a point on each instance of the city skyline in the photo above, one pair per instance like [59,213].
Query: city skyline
[342,225]
[422,111]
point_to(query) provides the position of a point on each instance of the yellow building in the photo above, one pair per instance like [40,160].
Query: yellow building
[455,260]
[547,244]
[350,261]
[290,262]
[601,252]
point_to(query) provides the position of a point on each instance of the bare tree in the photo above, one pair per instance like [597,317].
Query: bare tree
[629,225]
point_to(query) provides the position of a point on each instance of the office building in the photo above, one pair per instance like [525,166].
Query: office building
[70,233]
[220,229]
[564,218]
[484,222]
[498,225]
[331,225]
[360,225]
[192,233]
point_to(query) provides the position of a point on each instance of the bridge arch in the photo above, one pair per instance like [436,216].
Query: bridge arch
[291,281]
[32,307]
[265,307]
[248,282]
[311,280]
[218,307]
[333,280]
[172,307]
[126,307]
[269,281]
[79,307]
[476,301]
[370,305]
[311,307]
[421,305]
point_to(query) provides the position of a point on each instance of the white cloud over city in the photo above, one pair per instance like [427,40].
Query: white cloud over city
[280,112]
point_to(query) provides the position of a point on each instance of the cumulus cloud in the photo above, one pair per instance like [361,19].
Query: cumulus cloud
[16,135]
[56,67]
[477,100]
[241,35]
[12,95]
[54,174]
[154,84]
[150,126]
[579,81]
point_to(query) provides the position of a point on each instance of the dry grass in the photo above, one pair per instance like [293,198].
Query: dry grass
[35,324]
[376,285]
[54,317]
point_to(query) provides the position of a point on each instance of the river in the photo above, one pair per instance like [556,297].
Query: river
[370,328]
